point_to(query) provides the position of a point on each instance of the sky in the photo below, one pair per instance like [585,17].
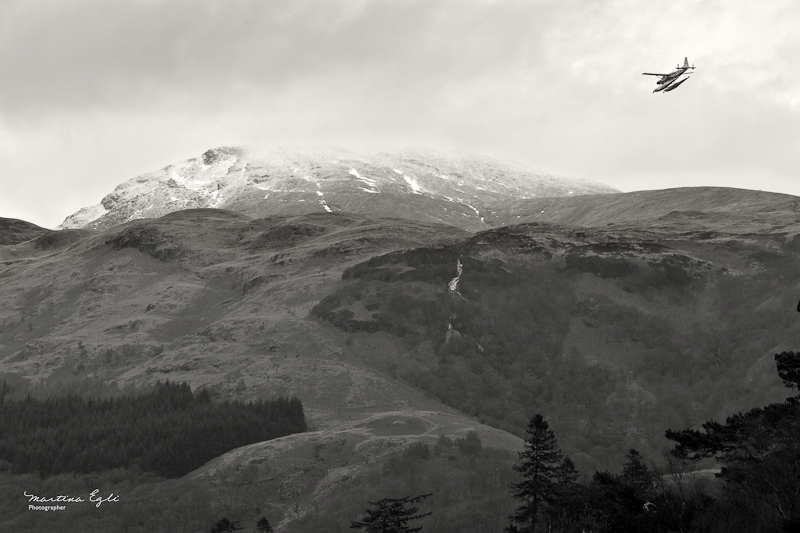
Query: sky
[93,92]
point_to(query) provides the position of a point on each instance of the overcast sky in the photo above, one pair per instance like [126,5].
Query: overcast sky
[93,93]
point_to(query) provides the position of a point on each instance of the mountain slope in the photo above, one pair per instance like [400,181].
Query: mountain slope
[617,335]
[191,296]
[426,186]
[682,209]
[13,231]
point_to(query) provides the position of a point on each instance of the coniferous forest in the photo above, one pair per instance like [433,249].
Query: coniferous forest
[169,431]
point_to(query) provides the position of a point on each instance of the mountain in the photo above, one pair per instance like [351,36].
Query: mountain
[617,315]
[427,186]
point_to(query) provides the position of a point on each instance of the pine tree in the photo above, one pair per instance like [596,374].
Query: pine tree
[543,469]
[263,526]
[788,364]
[635,473]
[4,390]
[390,515]
[224,525]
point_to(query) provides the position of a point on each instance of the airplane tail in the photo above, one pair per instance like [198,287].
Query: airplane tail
[685,62]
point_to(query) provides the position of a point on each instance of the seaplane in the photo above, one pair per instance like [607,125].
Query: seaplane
[670,82]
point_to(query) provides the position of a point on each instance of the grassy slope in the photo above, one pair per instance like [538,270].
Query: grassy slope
[13,231]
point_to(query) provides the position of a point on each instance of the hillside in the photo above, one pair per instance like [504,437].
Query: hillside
[674,210]
[13,231]
[616,335]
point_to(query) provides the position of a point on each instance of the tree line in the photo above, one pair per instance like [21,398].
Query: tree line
[169,431]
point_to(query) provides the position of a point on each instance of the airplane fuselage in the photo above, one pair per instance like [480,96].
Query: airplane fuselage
[672,76]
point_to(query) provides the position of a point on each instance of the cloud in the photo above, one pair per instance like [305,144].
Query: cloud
[77,55]
[102,91]
[87,54]
[738,46]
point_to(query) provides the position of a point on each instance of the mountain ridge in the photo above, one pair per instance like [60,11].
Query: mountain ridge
[15,231]
[418,185]
[732,209]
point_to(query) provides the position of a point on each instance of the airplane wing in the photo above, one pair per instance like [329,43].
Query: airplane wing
[652,74]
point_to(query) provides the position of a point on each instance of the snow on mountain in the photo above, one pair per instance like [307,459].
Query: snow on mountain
[430,186]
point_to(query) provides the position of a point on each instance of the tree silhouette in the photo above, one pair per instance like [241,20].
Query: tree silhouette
[788,364]
[635,473]
[544,471]
[224,525]
[390,515]
[262,526]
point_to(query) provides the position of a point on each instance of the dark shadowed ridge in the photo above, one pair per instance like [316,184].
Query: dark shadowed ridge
[13,231]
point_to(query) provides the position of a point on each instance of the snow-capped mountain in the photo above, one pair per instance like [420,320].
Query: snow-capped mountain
[427,186]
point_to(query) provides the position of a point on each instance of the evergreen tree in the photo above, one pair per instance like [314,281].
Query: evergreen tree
[224,525]
[635,473]
[4,390]
[471,444]
[567,473]
[262,526]
[544,471]
[614,503]
[390,515]
[788,364]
